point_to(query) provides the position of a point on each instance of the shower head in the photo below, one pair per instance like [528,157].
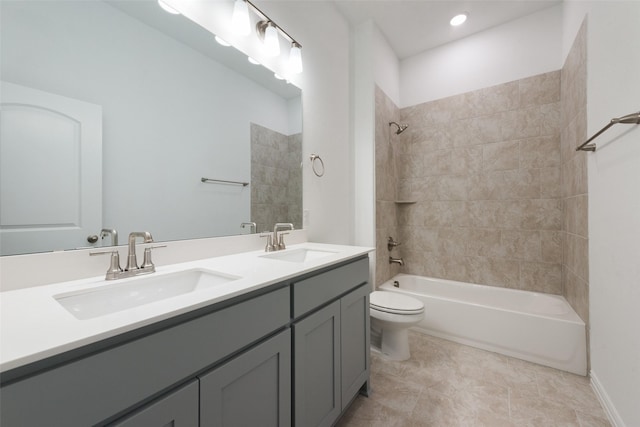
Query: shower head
[401,128]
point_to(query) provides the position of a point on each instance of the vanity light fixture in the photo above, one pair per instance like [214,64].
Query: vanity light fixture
[268,31]
[269,34]
[240,22]
[222,41]
[167,8]
[295,59]
[458,19]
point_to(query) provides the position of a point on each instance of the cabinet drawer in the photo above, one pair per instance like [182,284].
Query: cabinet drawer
[97,387]
[317,290]
[177,409]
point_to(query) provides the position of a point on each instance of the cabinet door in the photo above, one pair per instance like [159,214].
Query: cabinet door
[177,409]
[354,330]
[317,368]
[253,389]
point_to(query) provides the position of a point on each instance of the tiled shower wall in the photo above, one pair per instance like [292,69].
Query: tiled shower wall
[386,183]
[276,178]
[483,169]
[575,260]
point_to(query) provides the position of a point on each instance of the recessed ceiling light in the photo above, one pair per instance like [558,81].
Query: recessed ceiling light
[458,19]
[253,61]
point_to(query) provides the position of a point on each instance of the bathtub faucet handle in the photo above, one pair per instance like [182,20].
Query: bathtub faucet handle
[391,243]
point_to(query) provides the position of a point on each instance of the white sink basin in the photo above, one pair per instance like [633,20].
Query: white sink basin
[124,294]
[298,255]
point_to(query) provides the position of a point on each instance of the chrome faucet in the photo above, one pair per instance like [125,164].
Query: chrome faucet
[132,268]
[110,232]
[132,262]
[278,242]
[398,261]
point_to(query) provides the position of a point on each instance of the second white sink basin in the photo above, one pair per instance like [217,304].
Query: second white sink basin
[136,291]
[298,255]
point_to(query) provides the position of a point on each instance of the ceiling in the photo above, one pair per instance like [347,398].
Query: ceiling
[413,26]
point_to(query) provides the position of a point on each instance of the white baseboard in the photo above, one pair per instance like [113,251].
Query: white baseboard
[605,401]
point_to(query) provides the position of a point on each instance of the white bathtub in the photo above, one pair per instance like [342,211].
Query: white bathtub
[540,328]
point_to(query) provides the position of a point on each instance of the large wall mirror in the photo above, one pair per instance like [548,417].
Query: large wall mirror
[114,111]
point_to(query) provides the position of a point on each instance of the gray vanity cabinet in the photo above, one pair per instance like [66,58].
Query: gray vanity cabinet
[354,342]
[177,409]
[254,389]
[229,364]
[330,345]
[317,367]
[105,385]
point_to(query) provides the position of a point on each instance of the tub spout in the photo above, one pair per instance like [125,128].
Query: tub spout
[393,260]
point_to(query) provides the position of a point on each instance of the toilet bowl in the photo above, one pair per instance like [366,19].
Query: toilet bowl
[392,315]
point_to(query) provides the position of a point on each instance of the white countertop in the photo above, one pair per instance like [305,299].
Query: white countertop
[34,326]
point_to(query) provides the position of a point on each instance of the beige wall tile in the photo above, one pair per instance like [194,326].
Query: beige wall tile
[484,242]
[576,215]
[551,246]
[436,163]
[466,160]
[574,185]
[540,89]
[541,277]
[492,100]
[576,291]
[522,244]
[550,183]
[543,214]
[574,176]
[500,156]
[493,200]
[498,272]
[540,152]
[576,255]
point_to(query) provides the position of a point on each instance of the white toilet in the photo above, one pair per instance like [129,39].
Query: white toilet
[392,315]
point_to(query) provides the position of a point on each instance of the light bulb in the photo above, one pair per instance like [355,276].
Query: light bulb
[240,23]
[168,8]
[295,59]
[271,41]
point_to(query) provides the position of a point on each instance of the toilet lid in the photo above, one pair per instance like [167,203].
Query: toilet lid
[392,302]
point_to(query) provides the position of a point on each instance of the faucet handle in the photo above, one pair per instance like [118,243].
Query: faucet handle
[392,243]
[146,261]
[114,267]
[270,247]
[281,244]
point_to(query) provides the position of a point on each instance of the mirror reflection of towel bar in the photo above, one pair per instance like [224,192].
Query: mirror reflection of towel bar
[244,184]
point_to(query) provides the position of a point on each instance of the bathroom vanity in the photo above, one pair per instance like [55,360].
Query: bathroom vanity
[292,349]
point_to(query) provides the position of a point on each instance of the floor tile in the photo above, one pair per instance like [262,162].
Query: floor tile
[446,384]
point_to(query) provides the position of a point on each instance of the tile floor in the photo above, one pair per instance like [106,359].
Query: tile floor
[445,384]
